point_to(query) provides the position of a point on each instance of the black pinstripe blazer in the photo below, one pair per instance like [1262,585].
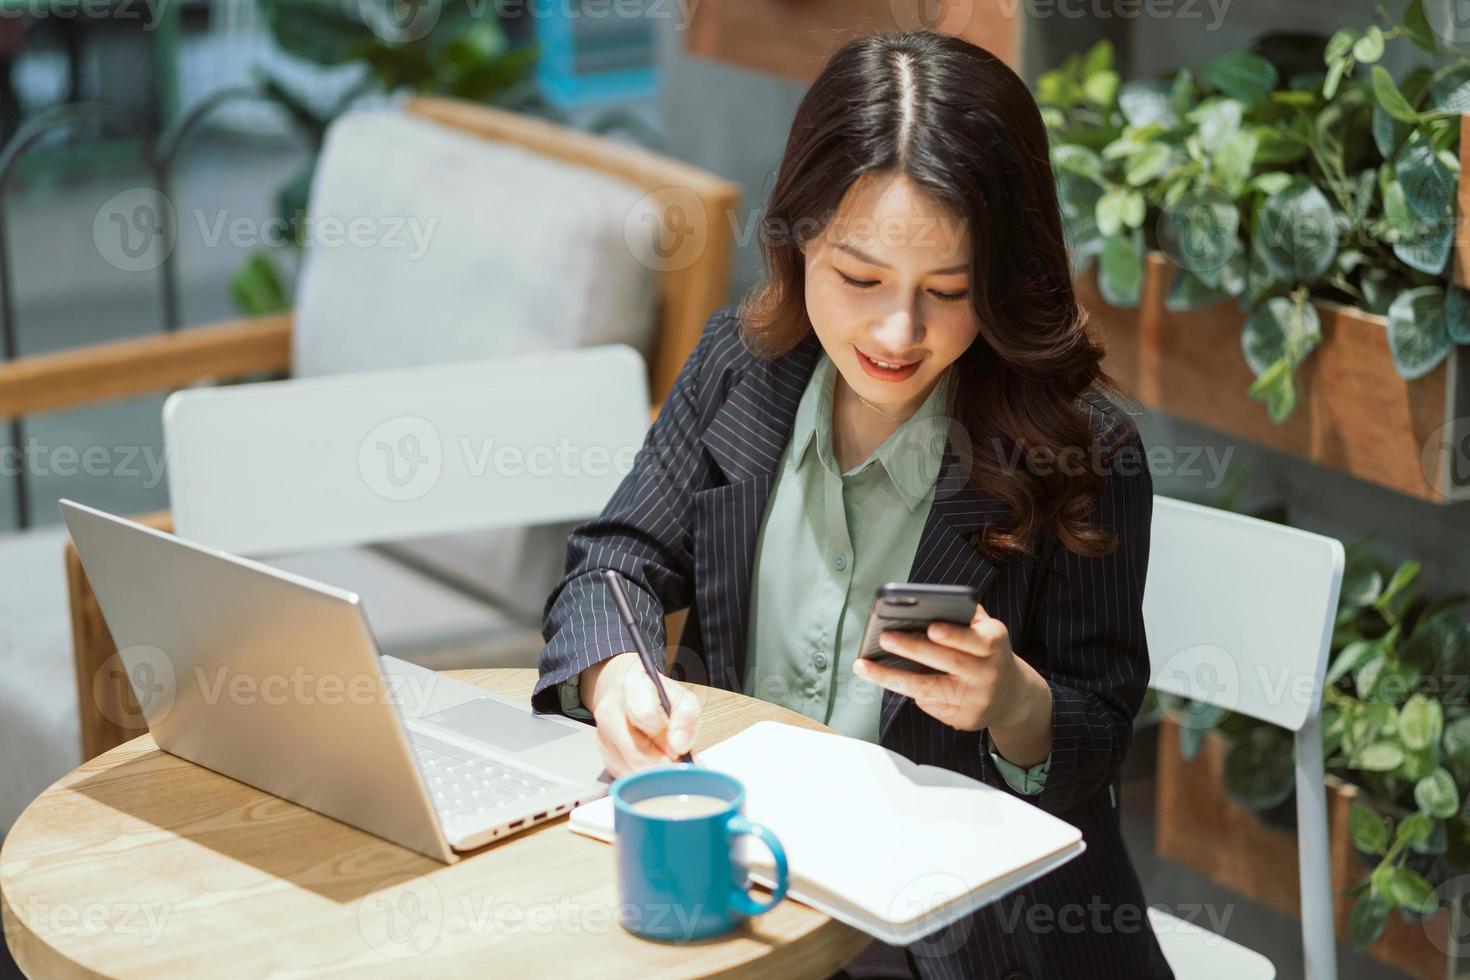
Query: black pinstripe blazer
[682,528]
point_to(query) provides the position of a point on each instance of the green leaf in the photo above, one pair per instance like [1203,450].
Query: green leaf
[1436,795]
[1361,585]
[1416,25]
[1416,331]
[1369,829]
[1242,75]
[1389,96]
[1218,120]
[1369,47]
[1398,591]
[1429,186]
[1296,233]
[1348,659]
[1378,757]
[1276,386]
[1101,88]
[1078,197]
[1339,45]
[256,287]
[1259,768]
[1388,132]
[1188,291]
[1420,722]
[319,32]
[1200,233]
[1278,328]
[1457,748]
[1333,79]
[1232,164]
[1147,164]
[1120,270]
[1146,102]
[1079,160]
[1413,830]
[1407,889]
[1369,916]
[1451,91]
[1457,314]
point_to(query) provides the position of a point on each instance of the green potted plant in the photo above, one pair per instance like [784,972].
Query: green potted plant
[1396,723]
[1335,184]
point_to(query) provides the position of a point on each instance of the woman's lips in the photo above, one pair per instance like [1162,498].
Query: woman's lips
[883,373]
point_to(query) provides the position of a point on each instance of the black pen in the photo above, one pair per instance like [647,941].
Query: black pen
[625,612]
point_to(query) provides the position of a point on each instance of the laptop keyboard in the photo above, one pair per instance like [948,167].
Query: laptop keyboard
[464,785]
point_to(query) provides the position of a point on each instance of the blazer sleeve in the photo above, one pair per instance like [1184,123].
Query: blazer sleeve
[1093,653]
[645,532]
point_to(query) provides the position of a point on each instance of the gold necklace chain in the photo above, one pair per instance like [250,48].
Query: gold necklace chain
[896,418]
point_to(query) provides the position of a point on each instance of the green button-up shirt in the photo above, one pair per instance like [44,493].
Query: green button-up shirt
[827,541]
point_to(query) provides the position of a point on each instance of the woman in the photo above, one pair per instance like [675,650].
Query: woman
[911,395]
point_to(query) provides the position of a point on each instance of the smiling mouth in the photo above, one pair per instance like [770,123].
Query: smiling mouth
[884,362]
[886,370]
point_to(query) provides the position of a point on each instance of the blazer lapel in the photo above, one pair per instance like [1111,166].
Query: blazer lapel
[745,438]
[944,555]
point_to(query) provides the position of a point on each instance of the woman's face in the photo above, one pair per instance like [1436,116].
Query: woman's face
[889,280]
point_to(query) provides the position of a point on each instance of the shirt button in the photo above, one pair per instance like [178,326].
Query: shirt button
[820,660]
[839,561]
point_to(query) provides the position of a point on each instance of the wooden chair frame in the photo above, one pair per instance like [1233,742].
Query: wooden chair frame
[106,372]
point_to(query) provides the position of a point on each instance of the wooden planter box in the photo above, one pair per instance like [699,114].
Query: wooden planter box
[1199,826]
[793,38]
[1353,413]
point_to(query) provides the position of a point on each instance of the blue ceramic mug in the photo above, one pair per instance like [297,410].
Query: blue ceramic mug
[676,830]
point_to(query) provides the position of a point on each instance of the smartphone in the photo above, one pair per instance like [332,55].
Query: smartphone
[909,607]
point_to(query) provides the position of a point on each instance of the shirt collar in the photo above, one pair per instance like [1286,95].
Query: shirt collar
[910,456]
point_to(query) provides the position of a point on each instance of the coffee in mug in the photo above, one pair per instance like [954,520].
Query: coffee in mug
[680,806]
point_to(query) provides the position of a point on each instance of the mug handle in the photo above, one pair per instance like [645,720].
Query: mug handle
[740,899]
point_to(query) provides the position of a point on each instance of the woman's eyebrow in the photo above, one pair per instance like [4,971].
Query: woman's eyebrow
[854,251]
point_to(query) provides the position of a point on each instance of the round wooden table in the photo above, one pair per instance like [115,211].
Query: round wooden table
[140,864]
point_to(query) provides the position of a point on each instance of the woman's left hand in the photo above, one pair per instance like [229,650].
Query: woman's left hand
[981,684]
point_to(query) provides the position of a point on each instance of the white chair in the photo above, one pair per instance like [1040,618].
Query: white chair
[1239,613]
[307,473]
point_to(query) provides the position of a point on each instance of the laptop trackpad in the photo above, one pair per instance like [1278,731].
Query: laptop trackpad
[504,726]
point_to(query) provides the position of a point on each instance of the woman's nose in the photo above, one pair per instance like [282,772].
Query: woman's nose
[898,332]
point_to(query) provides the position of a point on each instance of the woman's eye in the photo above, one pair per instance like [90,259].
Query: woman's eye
[949,297]
[859,283]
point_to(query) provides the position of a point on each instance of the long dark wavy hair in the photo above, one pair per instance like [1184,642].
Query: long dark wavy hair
[965,128]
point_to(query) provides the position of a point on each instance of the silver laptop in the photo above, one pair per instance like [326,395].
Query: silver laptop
[275,680]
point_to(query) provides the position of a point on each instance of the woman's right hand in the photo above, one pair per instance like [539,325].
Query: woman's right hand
[631,728]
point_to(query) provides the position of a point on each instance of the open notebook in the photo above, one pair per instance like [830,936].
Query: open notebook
[895,849]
